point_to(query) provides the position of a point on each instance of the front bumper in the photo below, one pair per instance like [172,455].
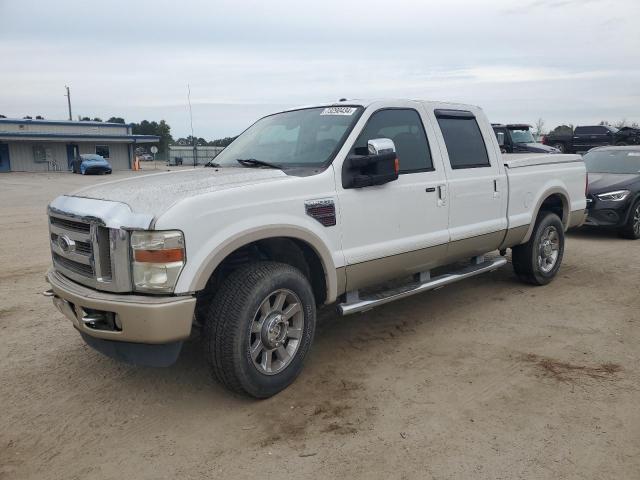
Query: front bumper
[606,213]
[130,318]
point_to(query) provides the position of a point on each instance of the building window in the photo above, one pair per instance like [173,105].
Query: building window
[43,154]
[102,150]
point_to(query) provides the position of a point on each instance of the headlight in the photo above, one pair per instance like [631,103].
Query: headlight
[158,258]
[616,196]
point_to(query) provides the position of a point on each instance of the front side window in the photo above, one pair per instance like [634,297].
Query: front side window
[308,137]
[405,128]
[102,150]
[463,139]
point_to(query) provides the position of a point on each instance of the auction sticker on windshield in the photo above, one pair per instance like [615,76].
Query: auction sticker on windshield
[338,111]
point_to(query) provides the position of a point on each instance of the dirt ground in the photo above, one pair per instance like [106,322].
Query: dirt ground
[485,379]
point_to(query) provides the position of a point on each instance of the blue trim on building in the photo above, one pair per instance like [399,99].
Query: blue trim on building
[17,121]
[79,136]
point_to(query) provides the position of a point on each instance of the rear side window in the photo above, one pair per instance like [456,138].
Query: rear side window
[405,128]
[463,139]
[591,130]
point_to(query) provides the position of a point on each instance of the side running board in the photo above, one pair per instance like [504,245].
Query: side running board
[356,304]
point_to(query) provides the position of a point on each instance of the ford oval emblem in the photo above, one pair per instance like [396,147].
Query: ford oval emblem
[66,244]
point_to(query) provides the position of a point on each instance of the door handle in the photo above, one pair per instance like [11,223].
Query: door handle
[430,189]
[496,192]
[442,195]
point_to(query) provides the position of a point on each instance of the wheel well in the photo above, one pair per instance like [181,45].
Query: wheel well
[291,251]
[557,204]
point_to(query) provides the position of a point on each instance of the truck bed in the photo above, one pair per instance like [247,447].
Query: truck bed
[518,160]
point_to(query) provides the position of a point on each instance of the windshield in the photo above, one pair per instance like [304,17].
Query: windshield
[613,161]
[300,138]
[521,136]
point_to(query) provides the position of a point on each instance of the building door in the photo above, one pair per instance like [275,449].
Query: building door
[73,152]
[5,165]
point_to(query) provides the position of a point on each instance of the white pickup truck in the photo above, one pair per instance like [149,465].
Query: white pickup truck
[354,203]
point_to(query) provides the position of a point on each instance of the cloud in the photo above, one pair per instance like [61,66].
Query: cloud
[244,59]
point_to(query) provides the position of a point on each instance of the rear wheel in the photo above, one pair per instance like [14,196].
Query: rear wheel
[538,260]
[560,146]
[259,327]
[632,229]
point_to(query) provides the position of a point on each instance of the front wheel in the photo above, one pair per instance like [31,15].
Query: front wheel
[632,228]
[538,260]
[259,327]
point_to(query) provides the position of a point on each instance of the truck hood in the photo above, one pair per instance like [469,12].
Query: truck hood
[539,147]
[156,193]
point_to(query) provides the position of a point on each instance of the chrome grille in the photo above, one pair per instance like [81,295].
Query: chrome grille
[83,249]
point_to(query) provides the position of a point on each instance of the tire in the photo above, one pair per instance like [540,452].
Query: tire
[632,229]
[537,261]
[560,146]
[237,333]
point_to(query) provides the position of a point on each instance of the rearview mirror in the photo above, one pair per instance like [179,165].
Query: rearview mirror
[377,165]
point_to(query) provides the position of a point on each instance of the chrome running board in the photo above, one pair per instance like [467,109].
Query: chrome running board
[356,304]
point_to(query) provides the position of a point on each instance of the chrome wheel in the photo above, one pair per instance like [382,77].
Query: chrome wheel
[548,249]
[276,331]
[636,221]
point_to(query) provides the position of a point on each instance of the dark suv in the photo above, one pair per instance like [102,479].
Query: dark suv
[613,197]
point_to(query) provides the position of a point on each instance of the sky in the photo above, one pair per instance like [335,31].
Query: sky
[565,61]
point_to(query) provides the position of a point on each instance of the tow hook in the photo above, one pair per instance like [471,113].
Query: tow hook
[48,293]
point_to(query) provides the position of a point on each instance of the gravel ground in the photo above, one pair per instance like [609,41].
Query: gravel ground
[488,378]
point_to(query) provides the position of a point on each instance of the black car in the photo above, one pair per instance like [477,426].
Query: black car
[517,138]
[584,138]
[613,194]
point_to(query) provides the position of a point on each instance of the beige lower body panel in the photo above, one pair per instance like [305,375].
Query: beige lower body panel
[577,218]
[144,319]
[373,272]
[514,236]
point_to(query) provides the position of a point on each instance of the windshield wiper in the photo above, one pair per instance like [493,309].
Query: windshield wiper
[254,162]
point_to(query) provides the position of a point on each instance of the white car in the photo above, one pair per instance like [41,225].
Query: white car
[311,206]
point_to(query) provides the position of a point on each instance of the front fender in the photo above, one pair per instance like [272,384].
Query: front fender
[201,266]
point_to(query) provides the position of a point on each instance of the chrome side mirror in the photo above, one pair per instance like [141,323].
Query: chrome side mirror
[500,137]
[378,146]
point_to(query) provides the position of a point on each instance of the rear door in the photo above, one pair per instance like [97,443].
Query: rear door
[586,138]
[477,184]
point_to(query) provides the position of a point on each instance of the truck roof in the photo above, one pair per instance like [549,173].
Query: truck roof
[360,102]
[513,126]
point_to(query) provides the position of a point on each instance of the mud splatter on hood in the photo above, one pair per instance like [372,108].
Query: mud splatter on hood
[156,193]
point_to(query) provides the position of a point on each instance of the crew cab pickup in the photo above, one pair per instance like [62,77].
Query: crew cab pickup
[517,138]
[355,203]
[584,138]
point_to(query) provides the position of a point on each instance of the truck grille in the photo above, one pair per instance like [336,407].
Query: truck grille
[82,251]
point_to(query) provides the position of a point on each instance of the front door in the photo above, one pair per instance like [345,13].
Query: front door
[398,228]
[5,165]
[73,152]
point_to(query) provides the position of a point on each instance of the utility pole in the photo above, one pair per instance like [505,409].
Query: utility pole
[193,138]
[68,95]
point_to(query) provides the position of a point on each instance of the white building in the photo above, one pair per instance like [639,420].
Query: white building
[51,145]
